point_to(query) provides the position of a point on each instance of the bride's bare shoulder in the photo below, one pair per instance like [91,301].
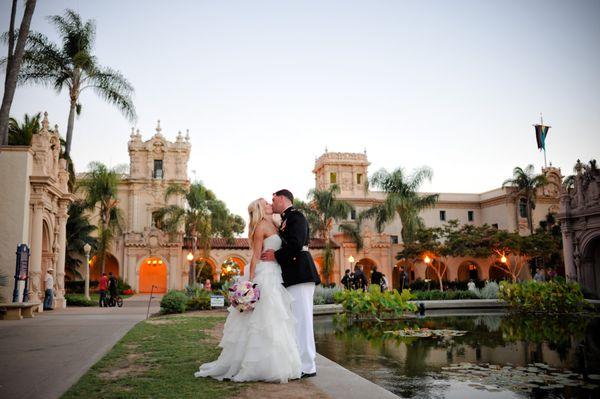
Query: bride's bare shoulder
[267,228]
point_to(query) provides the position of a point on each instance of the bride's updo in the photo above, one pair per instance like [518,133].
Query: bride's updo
[256,212]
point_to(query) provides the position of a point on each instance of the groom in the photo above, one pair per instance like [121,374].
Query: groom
[299,274]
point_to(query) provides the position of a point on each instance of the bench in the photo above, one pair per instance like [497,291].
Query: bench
[18,310]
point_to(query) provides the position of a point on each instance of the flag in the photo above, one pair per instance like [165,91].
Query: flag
[541,132]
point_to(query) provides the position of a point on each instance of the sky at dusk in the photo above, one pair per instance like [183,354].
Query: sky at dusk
[265,86]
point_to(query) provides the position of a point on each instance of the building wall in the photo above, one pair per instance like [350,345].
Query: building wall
[14,209]
[495,207]
[33,210]
[142,192]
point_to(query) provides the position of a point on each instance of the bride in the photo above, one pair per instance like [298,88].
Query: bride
[259,345]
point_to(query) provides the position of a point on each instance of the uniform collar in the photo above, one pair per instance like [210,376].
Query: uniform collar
[287,211]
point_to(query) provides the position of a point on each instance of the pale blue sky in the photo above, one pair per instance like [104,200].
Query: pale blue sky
[265,86]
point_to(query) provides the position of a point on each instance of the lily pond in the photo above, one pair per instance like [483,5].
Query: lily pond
[470,356]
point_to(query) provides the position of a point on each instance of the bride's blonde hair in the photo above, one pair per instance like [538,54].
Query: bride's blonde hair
[256,212]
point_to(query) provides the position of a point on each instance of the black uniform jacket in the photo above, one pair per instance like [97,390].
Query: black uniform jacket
[297,266]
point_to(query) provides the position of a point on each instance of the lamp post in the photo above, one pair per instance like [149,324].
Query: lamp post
[191,278]
[351,260]
[87,248]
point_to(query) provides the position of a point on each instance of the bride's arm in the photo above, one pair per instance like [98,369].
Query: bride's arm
[257,245]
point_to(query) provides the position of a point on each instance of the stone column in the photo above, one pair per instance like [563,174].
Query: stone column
[420,270]
[484,271]
[452,270]
[570,270]
[59,299]
[172,267]
[131,276]
[35,262]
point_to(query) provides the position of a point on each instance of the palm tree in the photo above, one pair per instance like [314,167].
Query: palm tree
[202,218]
[21,133]
[526,183]
[74,67]
[402,199]
[322,210]
[13,61]
[79,233]
[100,187]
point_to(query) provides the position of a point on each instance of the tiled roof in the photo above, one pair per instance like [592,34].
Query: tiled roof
[223,243]
[242,243]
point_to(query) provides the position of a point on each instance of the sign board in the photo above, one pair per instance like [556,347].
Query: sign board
[21,293]
[217,301]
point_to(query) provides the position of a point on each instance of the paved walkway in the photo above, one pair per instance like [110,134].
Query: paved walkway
[41,358]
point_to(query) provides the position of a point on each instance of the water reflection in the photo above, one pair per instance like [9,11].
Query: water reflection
[419,367]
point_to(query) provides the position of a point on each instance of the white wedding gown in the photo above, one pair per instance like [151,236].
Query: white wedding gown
[260,345]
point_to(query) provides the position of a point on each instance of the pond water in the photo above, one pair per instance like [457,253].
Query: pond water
[499,356]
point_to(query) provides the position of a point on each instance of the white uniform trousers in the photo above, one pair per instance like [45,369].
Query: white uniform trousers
[302,309]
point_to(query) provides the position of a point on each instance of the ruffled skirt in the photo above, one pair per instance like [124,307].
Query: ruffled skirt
[259,345]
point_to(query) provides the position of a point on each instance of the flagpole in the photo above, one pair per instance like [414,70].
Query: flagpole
[544,142]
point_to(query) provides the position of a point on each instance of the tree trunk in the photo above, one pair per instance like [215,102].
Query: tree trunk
[530,215]
[13,66]
[70,127]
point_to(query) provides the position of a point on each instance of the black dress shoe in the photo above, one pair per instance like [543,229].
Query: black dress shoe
[307,375]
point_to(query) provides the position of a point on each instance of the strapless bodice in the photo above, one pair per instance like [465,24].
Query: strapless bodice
[272,242]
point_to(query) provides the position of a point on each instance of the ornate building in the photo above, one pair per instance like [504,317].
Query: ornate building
[501,208]
[143,255]
[33,209]
[580,223]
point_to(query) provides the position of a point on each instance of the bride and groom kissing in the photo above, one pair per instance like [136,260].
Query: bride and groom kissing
[275,341]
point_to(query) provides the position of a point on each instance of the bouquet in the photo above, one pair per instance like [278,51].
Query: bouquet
[243,295]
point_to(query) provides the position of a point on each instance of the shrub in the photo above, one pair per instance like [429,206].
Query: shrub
[127,292]
[122,286]
[443,295]
[375,304]
[78,286]
[555,296]
[79,300]
[489,291]
[201,301]
[174,302]
[324,295]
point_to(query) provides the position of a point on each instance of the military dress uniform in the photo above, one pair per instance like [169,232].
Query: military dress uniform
[300,276]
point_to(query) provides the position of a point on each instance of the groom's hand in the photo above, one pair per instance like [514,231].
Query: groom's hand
[268,255]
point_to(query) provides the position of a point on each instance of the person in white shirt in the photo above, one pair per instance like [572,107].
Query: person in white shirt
[471,286]
[49,297]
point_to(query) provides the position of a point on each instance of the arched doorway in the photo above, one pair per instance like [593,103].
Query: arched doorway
[401,275]
[47,255]
[498,272]
[111,264]
[432,275]
[231,268]
[367,267]
[590,266]
[319,262]
[153,273]
[468,270]
[206,269]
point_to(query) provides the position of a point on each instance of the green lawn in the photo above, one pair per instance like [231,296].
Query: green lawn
[157,359]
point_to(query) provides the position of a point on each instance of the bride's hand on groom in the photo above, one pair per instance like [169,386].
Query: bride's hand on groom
[268,255]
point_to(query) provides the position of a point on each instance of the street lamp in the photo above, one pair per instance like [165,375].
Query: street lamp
[87,248]
[427,259]
[191,278]
[503,259]
[351,261]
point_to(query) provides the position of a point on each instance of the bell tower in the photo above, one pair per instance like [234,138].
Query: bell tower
[346,169]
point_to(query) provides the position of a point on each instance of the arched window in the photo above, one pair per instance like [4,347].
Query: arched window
[523,207]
